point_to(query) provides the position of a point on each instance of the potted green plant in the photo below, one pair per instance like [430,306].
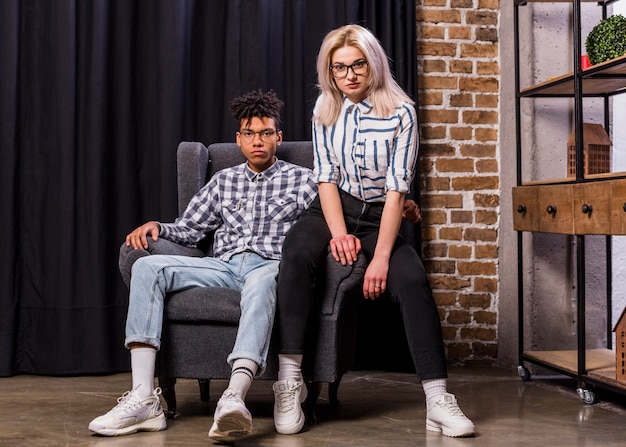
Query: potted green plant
[607,40]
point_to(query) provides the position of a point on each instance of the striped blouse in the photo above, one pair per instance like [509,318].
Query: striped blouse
[367,155]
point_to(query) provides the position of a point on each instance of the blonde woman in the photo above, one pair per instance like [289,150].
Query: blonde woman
[365,135]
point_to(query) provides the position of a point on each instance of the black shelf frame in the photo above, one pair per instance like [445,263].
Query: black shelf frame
[612,70]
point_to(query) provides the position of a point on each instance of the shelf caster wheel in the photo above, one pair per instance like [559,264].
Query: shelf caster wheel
[588,397]
[523,372]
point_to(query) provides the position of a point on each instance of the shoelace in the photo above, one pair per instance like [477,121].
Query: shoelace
[129,401]
[287,400]
[126,402]
[229,395]
[451,407]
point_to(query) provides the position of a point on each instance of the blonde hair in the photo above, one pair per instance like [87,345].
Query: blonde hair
[382,89]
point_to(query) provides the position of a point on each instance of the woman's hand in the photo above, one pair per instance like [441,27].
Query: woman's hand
[345,248]
[375,281]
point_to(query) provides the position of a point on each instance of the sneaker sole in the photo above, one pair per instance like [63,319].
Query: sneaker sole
[155,424]
[293,428]
[461,432]
[230,427]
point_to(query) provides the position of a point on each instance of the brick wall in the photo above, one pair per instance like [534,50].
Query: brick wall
[458,67]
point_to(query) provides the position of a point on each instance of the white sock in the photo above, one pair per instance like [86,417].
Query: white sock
[242,376]
[434,388]
[142,362]
[289,367]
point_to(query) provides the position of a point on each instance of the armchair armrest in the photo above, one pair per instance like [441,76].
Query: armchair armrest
[341,280]
[128,255]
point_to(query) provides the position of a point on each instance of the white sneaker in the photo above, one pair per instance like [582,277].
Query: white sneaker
[288,398]
[130,415]
[232,420]
[444,415]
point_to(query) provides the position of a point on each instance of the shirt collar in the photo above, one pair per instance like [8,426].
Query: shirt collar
[269,172]
[364,106]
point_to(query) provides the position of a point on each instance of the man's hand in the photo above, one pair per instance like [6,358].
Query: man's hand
[138,238]
[411,211]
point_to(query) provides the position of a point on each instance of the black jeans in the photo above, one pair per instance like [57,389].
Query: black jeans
[305,250]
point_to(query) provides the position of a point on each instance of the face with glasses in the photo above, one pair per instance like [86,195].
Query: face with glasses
[258,139]
[350,70]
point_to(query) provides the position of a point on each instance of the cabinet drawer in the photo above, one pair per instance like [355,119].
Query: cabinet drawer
[555,209]
[592,208]
[525,208]
[618,207]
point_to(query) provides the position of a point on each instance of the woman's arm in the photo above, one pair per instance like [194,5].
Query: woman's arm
[343,246]
[375,282]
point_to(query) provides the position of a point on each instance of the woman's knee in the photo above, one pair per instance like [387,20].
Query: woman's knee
[306,239]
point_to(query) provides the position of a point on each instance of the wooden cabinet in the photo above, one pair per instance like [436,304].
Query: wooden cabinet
[618,207]
[526,208]
[580,206]
[590,207]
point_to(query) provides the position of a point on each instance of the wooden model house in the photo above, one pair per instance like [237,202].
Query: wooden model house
[596,150]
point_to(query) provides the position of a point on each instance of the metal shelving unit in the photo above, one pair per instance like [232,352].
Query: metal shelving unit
[589,367]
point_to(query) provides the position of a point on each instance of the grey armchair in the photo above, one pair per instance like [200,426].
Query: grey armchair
[200,324]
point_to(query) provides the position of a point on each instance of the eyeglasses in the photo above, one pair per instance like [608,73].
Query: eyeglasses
[340,71]
[248,135]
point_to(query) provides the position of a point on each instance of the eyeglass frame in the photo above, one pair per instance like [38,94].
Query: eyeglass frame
[247,135]
[365,63]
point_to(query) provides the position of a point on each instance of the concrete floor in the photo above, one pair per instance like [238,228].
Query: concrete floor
[376,409]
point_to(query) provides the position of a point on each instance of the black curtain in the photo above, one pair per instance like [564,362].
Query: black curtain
[94,97]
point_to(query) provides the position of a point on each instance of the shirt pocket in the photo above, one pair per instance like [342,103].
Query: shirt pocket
[234,212]
[282,209]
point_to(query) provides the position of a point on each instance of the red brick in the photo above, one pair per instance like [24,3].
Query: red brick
[486,251]
[486,285]
[455,165]
[444,298]
[476,268]
[461,133]
[475,183]
[486,200]
[430,201]
[426,15]
[478,333]
[459,317]
[460,251]
[449,282]
[487,166]
[480,235]
[476,300]
[431,98]
[452,234]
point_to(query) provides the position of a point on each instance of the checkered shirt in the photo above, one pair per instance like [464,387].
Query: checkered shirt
[249,211]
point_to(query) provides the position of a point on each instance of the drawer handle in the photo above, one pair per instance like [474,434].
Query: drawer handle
[587,209]
[624,207]
[551,209]
[521,209]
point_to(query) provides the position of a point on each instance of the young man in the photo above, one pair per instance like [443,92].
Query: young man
[247,243]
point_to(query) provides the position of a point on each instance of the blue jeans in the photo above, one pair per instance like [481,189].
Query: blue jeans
[254,276]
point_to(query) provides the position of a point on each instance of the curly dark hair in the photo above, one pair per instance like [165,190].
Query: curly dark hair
[257,104]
